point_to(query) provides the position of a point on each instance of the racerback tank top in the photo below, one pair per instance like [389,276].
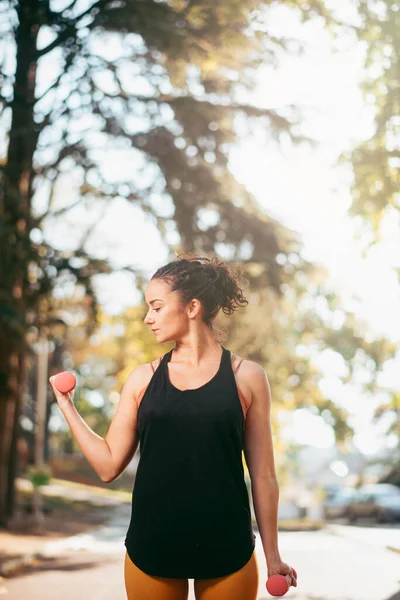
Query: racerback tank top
[190,506]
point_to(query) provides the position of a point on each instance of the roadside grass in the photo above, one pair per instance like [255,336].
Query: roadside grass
[123,495]
[63,517]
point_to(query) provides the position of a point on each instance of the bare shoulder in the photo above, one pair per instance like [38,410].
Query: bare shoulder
[252,369]
[143,372]
[248,368]
[139,379]
[138,375]
[250,377]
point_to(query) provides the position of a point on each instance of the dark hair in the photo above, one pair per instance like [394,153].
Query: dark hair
[205,277]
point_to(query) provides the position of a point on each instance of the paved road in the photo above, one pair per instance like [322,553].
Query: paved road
[387,535]
[330,565]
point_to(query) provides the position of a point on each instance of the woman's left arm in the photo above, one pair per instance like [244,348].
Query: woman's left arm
[259,455]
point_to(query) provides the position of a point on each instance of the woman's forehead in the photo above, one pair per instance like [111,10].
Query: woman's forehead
[157,289]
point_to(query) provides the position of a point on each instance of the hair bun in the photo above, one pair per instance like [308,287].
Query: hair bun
[209,279]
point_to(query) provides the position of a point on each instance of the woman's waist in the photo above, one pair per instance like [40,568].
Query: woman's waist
[198,504]
[192,519]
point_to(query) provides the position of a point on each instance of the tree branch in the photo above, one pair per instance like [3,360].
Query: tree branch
[53,85]
[69,31]
[69,28]
[89,231]
[59,212]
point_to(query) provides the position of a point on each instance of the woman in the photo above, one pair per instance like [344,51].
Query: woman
[194,410]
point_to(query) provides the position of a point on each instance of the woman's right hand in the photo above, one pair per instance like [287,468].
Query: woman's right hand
[63,400]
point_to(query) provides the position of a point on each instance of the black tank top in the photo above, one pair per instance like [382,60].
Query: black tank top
[190,506]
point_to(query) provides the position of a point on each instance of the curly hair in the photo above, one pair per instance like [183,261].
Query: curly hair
[214,283]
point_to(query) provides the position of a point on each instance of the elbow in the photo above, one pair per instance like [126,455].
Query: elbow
[108,472]
[108,477]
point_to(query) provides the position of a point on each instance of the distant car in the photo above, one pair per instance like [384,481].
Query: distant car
[380,502]
[335,507]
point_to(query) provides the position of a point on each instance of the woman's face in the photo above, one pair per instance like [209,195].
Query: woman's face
[166,316]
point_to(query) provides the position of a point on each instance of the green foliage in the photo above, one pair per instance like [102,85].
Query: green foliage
[39,476]
[376,160]
[162,81]
[193,64]
[391,409]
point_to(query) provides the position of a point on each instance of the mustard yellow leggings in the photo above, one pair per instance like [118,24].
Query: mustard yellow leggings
[241,585]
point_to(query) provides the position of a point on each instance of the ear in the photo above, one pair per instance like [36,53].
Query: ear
[194,308]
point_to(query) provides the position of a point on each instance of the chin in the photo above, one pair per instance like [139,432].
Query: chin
[164,339]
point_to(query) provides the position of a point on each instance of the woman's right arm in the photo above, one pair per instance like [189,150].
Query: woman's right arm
[110,456]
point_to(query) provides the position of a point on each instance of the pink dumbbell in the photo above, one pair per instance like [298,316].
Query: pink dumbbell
[278,585]
[65,382]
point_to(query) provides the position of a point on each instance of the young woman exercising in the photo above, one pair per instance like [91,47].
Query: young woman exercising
[194,411]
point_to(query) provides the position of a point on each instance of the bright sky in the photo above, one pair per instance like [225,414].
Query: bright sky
[305,190]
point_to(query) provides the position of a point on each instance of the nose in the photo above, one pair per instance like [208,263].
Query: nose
[147,320]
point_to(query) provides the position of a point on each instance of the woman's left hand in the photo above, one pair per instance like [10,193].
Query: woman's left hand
[278,567]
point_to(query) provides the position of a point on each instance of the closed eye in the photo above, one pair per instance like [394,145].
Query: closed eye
[146,313]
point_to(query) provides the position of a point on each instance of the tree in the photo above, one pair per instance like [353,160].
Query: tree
[129,76]
[178,48]
[376,160]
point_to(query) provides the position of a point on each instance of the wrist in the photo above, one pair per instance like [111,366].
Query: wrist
[272,558]
[65,407]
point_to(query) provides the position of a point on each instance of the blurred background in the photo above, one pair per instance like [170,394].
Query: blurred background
[268,133]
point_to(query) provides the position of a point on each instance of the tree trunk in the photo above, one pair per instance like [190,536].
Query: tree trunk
[16,251]
[14,458]
[8,407]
